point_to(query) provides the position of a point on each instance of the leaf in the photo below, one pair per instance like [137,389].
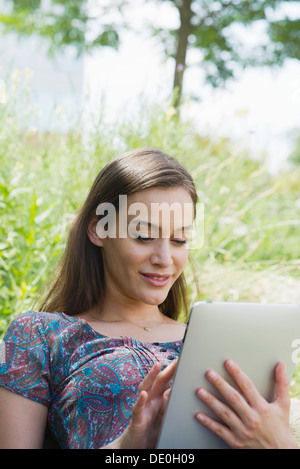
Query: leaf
[23,289]
[33,210]
[30,237]
[45,214]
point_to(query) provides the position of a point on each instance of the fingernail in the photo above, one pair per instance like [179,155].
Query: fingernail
[231,364]
[201,417]
[202,392]
[212,374]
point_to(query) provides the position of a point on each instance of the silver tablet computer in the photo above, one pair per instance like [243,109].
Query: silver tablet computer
[257,336]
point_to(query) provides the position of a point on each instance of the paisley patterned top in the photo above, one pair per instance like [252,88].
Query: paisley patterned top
[88,381]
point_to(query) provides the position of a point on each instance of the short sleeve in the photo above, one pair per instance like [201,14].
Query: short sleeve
[24,359]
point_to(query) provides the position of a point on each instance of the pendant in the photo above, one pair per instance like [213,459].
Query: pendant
[148,329]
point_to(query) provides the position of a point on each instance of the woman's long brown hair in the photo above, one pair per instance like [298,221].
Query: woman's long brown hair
[78,283]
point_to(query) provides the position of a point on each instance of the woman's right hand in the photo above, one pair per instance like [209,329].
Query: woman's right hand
[148,411]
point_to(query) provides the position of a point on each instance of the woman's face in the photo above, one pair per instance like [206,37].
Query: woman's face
[142,265]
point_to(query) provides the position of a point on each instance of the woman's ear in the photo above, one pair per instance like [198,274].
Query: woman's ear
[92,233]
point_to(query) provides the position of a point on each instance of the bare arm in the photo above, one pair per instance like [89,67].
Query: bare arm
[22,422]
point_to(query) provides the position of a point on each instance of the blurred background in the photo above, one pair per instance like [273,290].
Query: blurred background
[215,84]
[258,106]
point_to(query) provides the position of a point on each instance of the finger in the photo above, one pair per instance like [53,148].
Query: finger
[150,378]
[221,410]
[163,407]
[245,384]
[283,386]
[220,430]
[231,395]
[162,382]
[166,396]
[138,408]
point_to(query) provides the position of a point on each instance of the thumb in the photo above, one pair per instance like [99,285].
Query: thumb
[138,408]
[283,385]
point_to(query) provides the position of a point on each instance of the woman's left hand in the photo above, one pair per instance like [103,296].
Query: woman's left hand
[250,421]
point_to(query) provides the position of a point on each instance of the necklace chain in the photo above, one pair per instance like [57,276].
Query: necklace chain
[146,328]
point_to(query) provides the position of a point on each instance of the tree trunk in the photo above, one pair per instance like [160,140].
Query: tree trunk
[184,31]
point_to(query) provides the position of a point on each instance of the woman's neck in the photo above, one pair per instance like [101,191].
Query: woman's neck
[112,311]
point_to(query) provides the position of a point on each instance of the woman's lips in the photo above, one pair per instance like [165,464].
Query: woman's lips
[156,279]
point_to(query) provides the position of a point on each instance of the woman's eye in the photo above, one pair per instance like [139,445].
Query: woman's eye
[180,241]
[143,238]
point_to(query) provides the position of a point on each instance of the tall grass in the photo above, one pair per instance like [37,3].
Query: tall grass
[251,247]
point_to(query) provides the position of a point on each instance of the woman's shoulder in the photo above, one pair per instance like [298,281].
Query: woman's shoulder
[31,321]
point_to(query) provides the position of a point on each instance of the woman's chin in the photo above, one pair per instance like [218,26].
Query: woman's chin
[155,301]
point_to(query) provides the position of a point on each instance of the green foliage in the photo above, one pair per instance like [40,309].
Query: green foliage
[25,5]
[286,34]
[63,24]
[209,26]
[212,30]
[251,247]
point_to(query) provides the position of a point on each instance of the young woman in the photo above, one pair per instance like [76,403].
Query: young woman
[94,365]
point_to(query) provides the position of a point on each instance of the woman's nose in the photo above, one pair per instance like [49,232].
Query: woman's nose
[162,254]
